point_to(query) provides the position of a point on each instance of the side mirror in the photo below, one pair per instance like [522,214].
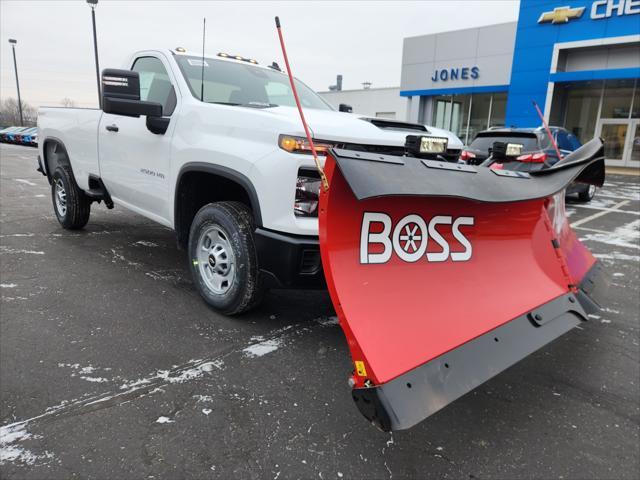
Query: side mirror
[345,108]
[121,95]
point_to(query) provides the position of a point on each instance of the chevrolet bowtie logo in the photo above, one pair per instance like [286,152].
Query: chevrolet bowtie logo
[561,15]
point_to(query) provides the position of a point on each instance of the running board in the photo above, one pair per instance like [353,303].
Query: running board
[98,191]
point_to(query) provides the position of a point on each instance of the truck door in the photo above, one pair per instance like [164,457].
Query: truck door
[134,162]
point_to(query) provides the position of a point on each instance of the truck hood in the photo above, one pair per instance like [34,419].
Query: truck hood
[354,128]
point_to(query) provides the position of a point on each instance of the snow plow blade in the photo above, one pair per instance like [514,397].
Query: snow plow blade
[443,275]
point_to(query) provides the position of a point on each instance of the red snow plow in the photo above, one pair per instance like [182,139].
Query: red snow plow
[444,275]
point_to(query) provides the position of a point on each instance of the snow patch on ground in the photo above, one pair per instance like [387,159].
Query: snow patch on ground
[262,347]
[13,251]
[12,434]
[617,256]
[327,321]
[203,398]
[26,182]
[164,420]
[145,243]
[95,379]
[8,285]
[180,376]
[626,236]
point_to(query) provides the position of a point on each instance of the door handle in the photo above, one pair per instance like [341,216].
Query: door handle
[112,128]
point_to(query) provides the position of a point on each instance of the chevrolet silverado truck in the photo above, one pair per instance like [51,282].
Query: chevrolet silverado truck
[213,148]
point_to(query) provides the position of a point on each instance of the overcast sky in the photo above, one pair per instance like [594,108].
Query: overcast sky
[361,40]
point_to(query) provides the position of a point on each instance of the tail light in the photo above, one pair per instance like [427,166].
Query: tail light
[466,155]
[533,158]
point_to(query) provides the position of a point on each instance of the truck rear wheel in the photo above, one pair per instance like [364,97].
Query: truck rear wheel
[71,205]
[223,258]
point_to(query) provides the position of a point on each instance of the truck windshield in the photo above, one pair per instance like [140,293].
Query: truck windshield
[239,83]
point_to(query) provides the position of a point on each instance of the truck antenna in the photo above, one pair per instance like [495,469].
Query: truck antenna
[546,127]
[323,177]
[204,28]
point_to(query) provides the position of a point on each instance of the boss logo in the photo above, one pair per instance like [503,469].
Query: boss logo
[410,237]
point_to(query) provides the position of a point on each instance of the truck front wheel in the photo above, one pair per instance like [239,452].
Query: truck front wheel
[223,259]
[71,205]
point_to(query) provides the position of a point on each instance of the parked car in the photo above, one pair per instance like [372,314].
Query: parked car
[26,137]
[12,137]
[4,134]
[531,150]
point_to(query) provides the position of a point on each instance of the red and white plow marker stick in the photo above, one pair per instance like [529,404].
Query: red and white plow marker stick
[323,177]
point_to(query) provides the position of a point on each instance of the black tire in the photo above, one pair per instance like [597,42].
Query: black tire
[587,194]
[232,224]
[74,214]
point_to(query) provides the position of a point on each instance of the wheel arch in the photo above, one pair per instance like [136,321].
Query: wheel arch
[53,159]
[233,186]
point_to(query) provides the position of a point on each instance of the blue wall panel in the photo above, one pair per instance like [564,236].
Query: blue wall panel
[530,74]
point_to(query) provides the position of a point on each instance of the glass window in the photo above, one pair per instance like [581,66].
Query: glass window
[244,84]
[450,113]
[498,110]
[614,136]
[155,85]
[582,101]
[616,102]
[479,119]
[485,141]
[442,112]
[635,109]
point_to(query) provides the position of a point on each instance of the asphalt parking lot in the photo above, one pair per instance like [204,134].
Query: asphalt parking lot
[112,367]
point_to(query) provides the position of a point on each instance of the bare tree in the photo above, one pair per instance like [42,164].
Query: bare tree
[67,102]
[10,113]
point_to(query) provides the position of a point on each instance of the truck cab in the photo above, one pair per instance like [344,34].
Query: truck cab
[179,132]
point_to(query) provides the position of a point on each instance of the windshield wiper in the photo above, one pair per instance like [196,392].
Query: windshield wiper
[259,105]
[250,104]
[226,103]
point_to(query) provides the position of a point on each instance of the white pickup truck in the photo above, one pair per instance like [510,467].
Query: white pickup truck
[214,149]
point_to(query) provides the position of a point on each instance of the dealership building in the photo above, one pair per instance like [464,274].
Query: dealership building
[579,60]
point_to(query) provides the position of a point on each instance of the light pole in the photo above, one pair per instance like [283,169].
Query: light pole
[93,4]
[13,42]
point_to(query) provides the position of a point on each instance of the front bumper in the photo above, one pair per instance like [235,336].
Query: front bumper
[413,396]
[289,261]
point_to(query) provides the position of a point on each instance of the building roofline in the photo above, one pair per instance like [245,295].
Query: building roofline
[514,22]
[360,90]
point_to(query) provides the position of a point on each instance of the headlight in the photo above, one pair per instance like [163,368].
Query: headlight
[307,195]
[433,145]
[514,149]
[422,144]
[301,145]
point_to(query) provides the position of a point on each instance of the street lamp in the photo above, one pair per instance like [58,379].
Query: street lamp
[13,42]
[93,4]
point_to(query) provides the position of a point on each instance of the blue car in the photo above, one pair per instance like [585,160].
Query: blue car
[4,134]
[12,136]
[27,137]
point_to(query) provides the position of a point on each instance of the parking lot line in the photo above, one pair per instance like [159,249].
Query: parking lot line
[602,213]
[594,230]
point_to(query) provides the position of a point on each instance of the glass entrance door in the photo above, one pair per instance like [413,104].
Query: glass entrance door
[634,144]
[621,141]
